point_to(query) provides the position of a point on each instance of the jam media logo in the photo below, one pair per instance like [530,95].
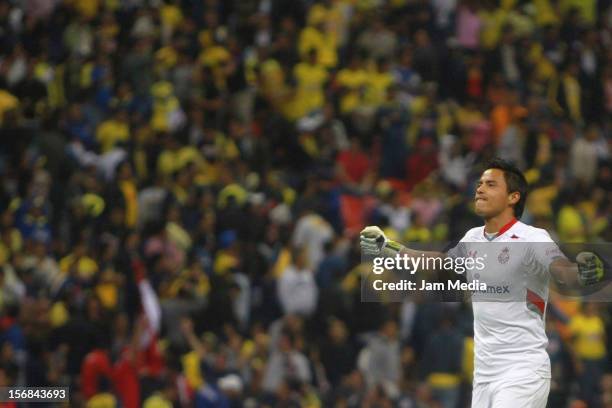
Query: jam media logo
[504,256]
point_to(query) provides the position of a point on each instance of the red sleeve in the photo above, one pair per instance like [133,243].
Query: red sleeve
[126,383]
[150,359]
[95,365]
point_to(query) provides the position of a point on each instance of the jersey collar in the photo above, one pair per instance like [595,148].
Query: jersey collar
[503,229]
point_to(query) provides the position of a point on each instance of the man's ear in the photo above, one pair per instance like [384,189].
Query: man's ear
[514,197]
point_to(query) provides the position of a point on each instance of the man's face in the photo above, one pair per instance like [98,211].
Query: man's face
[492,196]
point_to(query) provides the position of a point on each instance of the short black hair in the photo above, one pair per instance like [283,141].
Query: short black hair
[515,181]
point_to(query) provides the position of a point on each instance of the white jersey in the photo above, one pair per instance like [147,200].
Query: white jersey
[509,337]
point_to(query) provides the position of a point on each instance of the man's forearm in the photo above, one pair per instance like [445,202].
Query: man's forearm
[565,272]
[374,242]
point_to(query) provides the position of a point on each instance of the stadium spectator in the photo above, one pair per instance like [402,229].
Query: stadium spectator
[587,331]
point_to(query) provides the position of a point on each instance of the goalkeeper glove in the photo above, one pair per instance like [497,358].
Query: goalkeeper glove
[590,268]
[374,242]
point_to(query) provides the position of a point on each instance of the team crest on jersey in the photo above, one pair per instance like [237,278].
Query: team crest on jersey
[504,256]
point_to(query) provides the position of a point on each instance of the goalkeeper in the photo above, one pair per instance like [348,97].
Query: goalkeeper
[511,365]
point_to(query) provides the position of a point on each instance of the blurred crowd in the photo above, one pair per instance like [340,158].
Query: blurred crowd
[182,182]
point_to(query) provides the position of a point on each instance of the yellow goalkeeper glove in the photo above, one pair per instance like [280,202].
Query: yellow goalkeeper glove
[590,268]
[374,242]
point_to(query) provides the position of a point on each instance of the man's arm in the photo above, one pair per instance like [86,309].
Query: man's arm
[565,272]
[586,271]
[193,340]
[374,242]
